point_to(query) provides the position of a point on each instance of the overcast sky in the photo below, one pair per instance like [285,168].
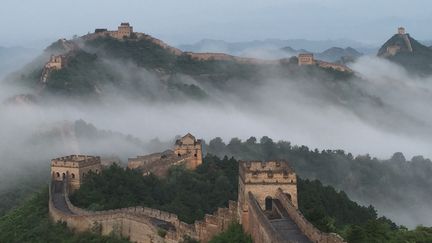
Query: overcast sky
[26,22]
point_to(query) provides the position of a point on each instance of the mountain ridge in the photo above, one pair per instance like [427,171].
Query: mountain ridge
[403,49]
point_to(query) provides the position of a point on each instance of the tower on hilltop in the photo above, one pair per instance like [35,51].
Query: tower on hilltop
[306,59]
[124,30]
[73,169]
[401,31]
[189,145]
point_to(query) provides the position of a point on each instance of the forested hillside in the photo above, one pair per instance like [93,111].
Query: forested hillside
[141,69]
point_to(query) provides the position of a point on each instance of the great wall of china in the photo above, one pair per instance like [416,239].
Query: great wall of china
[138,224]
[267,204]
[125,31]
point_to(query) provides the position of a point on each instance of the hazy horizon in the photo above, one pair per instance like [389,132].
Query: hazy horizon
[42,22]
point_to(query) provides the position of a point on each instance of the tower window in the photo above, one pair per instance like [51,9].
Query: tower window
[268,203]
[270,174]
[73,176]
[255,174]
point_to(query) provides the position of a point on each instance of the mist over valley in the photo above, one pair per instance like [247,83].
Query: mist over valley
[354,117]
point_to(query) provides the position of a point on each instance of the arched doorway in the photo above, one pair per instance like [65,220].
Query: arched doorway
[63,176]
[268,203]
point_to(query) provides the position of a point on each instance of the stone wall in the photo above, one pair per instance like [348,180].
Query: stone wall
[258,225]
[225,57]
[141,224]
[314,234]
[335,66]
[157,163]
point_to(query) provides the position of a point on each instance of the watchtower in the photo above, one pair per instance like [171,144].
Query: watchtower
[55,62]
[306,59]
[401,31]
[124,30]
[189,145]
[74,168]
[263,179]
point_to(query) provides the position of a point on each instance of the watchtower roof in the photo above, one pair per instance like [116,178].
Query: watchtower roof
[180,141]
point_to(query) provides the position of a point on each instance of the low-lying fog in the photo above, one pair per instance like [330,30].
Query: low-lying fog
[296,111]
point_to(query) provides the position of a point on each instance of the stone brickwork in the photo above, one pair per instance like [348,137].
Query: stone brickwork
[263,179]
[314,234]
[74,168]
[306,59]
[190,147]
[157,163]
[258,225]
[138,224]
[187,151]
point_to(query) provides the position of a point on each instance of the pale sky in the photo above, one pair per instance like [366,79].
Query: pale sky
[26,22]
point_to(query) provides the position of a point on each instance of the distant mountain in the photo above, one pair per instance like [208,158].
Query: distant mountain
[408,52]
[242,48]
[339,54]
[334,54]
[143,67]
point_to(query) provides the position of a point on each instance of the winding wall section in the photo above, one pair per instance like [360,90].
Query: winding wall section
[138,224]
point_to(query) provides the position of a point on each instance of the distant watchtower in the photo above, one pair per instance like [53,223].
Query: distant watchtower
[306,59]
[401,31]
[124,30]
[74,168]
[189,145]
[263,179]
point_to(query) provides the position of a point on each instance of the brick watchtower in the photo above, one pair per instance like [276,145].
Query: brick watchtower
[74,168]
[263,179]
[189,145]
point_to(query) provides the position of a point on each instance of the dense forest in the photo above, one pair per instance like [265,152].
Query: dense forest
[189,194]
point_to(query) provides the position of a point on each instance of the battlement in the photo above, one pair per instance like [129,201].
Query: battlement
[76,161]
[124,30]
[259,172]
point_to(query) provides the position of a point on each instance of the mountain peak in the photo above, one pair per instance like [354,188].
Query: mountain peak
[408,52]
